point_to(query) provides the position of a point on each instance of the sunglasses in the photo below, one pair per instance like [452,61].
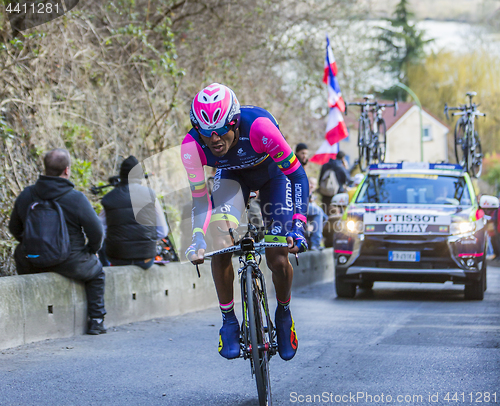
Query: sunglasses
[219,131]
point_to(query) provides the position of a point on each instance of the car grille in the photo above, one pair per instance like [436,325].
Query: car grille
[434,252]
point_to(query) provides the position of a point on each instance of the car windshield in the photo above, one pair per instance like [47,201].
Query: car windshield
[414,189]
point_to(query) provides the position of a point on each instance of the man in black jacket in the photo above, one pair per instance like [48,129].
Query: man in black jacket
[82,223]
[132,218]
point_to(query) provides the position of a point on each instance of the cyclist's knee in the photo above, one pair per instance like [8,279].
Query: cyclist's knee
[222,261]
[278,263]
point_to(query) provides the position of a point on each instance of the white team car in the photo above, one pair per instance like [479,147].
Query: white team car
[413,222]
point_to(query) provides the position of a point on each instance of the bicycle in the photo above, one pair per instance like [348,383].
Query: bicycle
[258,335]
[372,141]
[468,151]
[364,130]
[379,130]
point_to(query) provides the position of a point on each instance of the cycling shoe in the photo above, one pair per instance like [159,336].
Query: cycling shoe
[285,330]
[229,338]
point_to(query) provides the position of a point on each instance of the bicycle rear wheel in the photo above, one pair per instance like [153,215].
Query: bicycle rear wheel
[363,141]
[382,141]
[258,342]
[477,157]
[461,145]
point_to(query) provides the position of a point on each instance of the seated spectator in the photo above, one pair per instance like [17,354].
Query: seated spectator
[316,217]
[84,230]
[255,214]
[131,235]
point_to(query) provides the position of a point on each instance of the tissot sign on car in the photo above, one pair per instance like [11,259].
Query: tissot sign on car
[406,222]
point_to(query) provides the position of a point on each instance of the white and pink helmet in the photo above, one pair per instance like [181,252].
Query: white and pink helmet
[215,109]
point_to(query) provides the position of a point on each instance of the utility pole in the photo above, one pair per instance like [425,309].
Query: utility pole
[412,94]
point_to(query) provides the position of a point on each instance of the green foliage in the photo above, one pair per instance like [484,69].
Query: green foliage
[402,44]
[491,170]
[5,130]
[81,173]
[76,137]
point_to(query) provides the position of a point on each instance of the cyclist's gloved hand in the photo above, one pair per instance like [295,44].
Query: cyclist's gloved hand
[297,233]
[198,243]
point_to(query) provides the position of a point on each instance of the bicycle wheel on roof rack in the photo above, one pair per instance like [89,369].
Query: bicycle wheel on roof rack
[363,141]
[382,141]
[260,345]
[477,157]
[461,145]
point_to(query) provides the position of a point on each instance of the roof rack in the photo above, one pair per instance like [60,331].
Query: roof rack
[416,165]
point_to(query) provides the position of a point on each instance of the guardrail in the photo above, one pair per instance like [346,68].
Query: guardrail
[47,305]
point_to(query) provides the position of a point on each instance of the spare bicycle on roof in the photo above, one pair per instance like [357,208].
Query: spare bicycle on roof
[372,139]
[468,151]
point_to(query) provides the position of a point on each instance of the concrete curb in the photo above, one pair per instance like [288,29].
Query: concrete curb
[48,305]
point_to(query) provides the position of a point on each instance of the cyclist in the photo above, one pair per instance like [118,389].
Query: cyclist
[249,152]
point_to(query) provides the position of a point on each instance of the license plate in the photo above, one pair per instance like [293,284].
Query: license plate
[404,256]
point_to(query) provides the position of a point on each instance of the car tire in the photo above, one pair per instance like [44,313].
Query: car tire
[368,285]
[345,289]
[475,290]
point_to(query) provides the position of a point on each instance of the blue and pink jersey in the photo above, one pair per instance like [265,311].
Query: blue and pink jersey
[260,150]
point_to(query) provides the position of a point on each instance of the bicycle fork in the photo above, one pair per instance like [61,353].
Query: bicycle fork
[270,345]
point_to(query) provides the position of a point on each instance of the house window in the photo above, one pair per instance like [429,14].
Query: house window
[427,136]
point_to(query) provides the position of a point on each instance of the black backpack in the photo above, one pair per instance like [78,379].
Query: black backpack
[45,237]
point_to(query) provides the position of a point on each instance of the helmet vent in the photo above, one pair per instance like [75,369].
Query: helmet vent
[205,116]
[216,115]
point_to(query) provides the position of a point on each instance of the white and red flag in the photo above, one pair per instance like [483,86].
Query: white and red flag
[324,153]
[336,129]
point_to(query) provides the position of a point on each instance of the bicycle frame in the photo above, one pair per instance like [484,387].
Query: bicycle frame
[467,144]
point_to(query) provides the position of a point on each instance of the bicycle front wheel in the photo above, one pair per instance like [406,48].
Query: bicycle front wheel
[382,141]
[260,347]
[363,142]
[477,157]
[461,145]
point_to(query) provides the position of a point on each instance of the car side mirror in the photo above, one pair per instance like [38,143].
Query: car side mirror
[488,202]
[341,199]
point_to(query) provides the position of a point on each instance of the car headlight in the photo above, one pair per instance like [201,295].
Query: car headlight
[354,226]
[464,227]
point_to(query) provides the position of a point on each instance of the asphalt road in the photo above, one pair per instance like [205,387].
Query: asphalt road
[400,344]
